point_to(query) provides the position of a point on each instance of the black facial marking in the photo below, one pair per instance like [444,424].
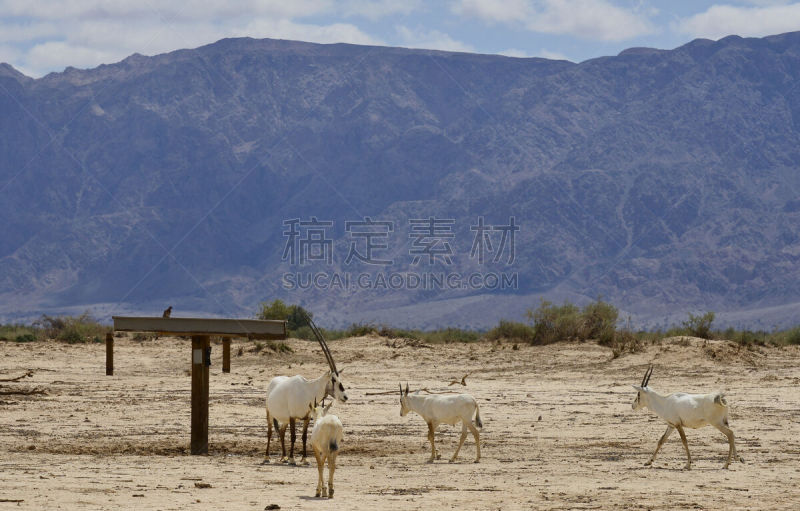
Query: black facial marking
[341,387]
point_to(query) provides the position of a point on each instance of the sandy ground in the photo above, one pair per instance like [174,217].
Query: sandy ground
[559,432]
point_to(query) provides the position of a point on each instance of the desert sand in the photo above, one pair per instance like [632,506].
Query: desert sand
[559,431]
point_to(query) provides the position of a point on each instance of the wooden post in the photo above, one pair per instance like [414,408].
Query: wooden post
[226,354]
[110,354]
[201,346]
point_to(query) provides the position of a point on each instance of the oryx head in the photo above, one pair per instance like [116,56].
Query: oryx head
[319,411]
[335,388]
[404,408]
[642,390]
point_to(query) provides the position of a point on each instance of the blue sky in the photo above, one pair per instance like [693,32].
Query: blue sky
[40,36]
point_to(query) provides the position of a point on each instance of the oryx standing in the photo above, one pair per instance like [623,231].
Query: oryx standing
[444,409]
[681,410]
[289,399]
[326,439]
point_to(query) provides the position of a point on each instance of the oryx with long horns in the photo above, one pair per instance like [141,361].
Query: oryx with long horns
[681,410]
[289,399]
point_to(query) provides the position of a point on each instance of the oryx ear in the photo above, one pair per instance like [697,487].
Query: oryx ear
[401,389]
[636,387]
[406,388]
[329,406]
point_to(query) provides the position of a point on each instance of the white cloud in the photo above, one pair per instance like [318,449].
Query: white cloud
[53,54]
[50,35]
[503,11]
[430,39]
[723,20]
[21,32]
[187,9]
[286,29]
[552,55]
[514,52]
[377,9]
[587,19]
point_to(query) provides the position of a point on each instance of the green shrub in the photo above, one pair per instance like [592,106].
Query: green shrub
[303,332]
[294,315]
[279,347]
[13,332]
[450,335]
[625,341]
[25,338]
[513,331]
[600,322]
[699,326]
[792,336]
[554,323]
[360,330]
[399,333]
[72,329]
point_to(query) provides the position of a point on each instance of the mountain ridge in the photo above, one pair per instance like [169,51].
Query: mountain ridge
[663,180]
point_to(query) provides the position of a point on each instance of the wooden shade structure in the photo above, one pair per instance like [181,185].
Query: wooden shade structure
[200,330]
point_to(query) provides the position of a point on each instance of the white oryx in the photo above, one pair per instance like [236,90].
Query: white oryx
[326,438]
[289,399]
[681,410]
[444,409]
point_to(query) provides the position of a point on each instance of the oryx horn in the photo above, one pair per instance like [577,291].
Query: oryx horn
[322,343]
[647,375]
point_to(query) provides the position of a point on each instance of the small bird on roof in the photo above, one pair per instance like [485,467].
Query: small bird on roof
[462,382]
[167,312]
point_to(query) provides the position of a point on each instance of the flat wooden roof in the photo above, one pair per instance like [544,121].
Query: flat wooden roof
[250,328]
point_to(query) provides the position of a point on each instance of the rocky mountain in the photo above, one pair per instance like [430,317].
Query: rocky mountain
[215,178]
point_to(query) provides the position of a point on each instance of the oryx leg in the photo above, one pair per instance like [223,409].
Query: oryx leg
[305,435]
[477,436]
[282,433]
[461,441]
[685,446]
[732,445]
[292,424]
[331,470]
[661,441]
[269,437]
[320,466]
[431,429]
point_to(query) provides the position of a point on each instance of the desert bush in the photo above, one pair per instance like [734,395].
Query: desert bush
[625,341]
[792,336]
[513,331]
[553,323]
[600,322]
[359,330]
[304,332]
[279,347]
[72,329]
[451,335]
[399,333]
[13,332]
[294,315]
[699,326]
